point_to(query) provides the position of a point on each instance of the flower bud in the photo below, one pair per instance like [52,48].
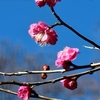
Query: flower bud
[40,3]
[65,82]
[69,83]
[72,85]
[46,67]
[43,75]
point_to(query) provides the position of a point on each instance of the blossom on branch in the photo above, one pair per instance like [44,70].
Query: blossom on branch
[42,34]
[64,57]
[69,83]
[50,3]
[24,92]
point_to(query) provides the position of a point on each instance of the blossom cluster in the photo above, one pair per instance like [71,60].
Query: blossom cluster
[64,59]
[40,31]
[43,34]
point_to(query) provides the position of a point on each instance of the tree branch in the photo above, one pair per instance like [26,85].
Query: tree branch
[53,80]
[93,47]
[56,24]
[73,30]
[33,96]
[75,67]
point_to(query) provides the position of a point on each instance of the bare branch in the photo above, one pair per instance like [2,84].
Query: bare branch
[56,24]
[75,67]
[73,30]
[53,80]
[93,47]
[8,91]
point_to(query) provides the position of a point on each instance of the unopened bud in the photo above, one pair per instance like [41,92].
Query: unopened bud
[46,67]
[43,75]
[40,3]
[72,85]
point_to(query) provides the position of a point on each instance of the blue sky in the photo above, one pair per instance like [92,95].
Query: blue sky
[83,15]
[17,15]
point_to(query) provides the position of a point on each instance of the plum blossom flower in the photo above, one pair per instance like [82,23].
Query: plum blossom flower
[24,92]
[40,3]
[64,57]
[69,83]
[41,33]
[50,3]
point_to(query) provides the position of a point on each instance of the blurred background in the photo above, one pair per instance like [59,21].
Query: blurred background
[19,52]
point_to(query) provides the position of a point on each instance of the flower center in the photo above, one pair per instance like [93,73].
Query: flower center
[39,37]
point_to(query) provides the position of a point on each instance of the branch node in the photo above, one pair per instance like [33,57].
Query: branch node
[90,72]
[4,74]
[53,81]
[13,81]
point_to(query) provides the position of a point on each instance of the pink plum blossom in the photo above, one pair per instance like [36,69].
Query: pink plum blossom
[40,3]
[41,33]
[69,83]
[64,57]
[24,92]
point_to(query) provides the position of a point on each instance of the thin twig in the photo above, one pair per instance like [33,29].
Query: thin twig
[56,24]
[33,96]
[94,48]
[8,91]
[73,30]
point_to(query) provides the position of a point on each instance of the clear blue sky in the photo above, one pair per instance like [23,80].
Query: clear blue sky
[17,15]
[83,15]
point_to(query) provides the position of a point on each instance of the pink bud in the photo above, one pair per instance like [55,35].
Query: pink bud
[40,3]
[43,75]
[52,3]
[69,83]
[46,67]
[65,82]
[72,85]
